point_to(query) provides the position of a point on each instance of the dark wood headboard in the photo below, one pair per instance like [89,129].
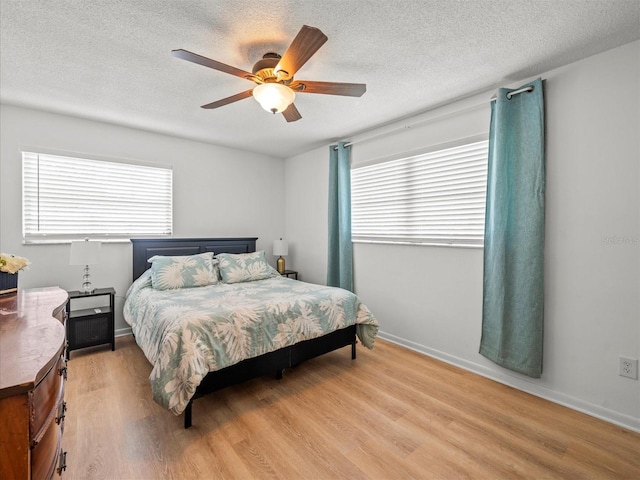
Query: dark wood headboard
[145,248]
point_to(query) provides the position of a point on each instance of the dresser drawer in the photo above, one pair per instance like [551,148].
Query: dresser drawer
[45,455]
[46,397]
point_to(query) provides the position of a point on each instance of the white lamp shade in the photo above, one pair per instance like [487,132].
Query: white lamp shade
[280,248]
[274,97]
[85,252]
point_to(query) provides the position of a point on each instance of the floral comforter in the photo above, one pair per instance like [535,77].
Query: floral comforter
[186,333]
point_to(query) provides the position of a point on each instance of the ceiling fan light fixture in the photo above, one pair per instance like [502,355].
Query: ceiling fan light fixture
[274,74]
[274,97]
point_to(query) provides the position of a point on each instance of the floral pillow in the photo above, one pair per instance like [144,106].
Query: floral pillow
[245,267]
[168,273]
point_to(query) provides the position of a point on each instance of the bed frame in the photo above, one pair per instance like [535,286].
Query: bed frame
[277,361]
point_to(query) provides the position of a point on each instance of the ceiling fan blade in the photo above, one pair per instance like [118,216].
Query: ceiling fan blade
[329,88]
[228,100]
[207,62]
[291,114]
[302,48]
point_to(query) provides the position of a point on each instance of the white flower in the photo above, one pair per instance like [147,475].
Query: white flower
[12,264]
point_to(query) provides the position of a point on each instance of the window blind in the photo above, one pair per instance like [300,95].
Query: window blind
[432,198]
[66,198]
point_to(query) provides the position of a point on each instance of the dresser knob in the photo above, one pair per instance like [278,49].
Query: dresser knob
[62,463]
[62,408]
[63,371]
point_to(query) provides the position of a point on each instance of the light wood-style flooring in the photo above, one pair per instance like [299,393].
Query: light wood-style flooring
[390,414]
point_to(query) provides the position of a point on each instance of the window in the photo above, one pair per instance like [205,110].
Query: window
[435,198]
[65,198]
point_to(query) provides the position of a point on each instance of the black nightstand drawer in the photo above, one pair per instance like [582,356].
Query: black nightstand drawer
[90,330]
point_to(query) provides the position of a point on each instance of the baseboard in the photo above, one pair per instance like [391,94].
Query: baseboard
[121,332]
[522,384]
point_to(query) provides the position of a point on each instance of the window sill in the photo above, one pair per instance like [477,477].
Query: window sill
[419,244]
[67,241]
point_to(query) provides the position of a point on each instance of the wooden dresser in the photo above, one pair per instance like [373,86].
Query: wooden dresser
[32,375]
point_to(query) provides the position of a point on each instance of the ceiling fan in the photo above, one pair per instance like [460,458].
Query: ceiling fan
[276,89]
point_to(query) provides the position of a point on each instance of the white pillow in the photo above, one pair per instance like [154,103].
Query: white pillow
[187,271]
[245,267]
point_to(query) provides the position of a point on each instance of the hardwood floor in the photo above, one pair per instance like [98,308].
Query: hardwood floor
[390,414]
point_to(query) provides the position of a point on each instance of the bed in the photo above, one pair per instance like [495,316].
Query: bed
[206,322]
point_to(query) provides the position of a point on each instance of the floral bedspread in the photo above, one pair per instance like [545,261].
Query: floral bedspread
[186,333]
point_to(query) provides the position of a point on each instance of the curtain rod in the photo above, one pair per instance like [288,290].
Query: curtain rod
[418,123]
[528,88]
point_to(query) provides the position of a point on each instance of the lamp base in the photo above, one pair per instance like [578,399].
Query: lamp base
[280,264]
[86,281]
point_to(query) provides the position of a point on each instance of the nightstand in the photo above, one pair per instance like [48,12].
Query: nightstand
[91,325]
[290,274]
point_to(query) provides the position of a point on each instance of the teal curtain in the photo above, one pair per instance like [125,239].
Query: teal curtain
[340,262]
[513,297]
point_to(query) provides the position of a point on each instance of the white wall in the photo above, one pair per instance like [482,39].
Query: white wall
[307,185]
[430,298]
[217,192]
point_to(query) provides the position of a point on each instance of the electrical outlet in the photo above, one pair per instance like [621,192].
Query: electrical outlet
[628,367]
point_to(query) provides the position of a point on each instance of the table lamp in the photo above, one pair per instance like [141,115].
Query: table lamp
[85,252]
[280,248]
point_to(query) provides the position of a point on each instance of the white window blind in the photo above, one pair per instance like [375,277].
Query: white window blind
[66,198]
[432,198]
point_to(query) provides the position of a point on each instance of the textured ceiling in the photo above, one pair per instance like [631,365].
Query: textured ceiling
[111,60]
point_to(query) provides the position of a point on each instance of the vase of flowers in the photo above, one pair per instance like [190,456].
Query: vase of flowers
[10,265]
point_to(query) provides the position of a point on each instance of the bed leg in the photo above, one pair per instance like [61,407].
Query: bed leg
[353,350]
[279,374]
[187,415]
